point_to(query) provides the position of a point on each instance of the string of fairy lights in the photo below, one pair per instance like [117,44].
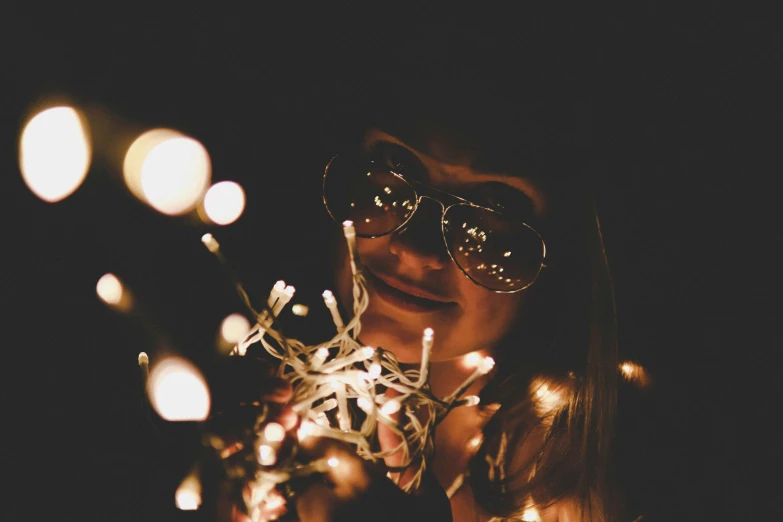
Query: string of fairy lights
[340,376]
[343,390]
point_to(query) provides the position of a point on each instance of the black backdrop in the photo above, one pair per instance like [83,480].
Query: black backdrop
[684,126]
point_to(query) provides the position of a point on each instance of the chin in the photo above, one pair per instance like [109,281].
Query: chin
[381,331]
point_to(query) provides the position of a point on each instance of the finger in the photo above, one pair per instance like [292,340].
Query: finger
[387,438]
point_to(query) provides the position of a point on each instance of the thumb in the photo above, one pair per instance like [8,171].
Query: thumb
[388,439]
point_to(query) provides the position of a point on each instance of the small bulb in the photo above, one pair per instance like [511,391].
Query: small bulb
[472,400]
[486,364]
[306,429]
[367,352]
[234,328]
[428,334]
[289,291]
[300,310]
[274,501]
[109,289]
[143,359]
[333,462]
[280,286]
[328,296]
[393,406]
[178,391]
[322,353]
[224,202]
[210,242]
[475,442]
[188,495]
[531,515]
[266,455]
[375,370]
[274,432]
[364,403]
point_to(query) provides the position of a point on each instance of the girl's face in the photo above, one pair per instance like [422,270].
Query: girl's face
[414,284]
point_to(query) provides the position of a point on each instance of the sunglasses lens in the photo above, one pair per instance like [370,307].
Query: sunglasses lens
[368,194]
[494,251]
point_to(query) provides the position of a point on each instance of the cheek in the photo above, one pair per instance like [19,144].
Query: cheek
[496,314]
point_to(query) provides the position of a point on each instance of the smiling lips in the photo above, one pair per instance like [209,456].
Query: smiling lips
[402,295]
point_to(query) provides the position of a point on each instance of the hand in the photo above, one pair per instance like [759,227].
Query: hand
[246,396]
[359,490]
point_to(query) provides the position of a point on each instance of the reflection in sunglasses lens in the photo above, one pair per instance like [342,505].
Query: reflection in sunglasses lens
[492,250]
[376,200]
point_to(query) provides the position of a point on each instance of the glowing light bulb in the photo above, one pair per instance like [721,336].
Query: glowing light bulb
[178,391]
[267,455]
[54,153]
[234,328]
[549,397]
[486,364]
[475,442]
[188,495]
[374,371]
[364,403]
[333,462]
[137,153]
[300,310]
[143,358]
[109,289]
[635,373]
[531,515]
[224,202]
[175,174]
[367,352]
[472,400]
[472,359]
[210,242]
[306,429]
[273,501]
[391,407]
[274,432]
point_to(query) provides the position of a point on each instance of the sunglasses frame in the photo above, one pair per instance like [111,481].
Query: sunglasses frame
[445,208]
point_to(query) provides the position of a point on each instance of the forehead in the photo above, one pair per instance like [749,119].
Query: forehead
[452,162]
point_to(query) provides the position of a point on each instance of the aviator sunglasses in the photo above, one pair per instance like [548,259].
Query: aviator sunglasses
[494,251]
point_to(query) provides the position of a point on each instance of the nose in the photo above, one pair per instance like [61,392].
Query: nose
[419,244]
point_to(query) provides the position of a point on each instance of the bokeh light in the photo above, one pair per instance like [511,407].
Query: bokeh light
[54,153]
[109,289]
[178,391]
[234,328]
[175,175]
[274,432]
[137,153]
[224,202]
[188,495]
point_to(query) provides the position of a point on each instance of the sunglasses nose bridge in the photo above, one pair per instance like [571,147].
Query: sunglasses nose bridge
[434,200]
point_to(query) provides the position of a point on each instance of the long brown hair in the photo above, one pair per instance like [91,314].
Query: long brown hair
[568,342]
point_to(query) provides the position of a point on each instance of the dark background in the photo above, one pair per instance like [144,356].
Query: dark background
[687,125]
